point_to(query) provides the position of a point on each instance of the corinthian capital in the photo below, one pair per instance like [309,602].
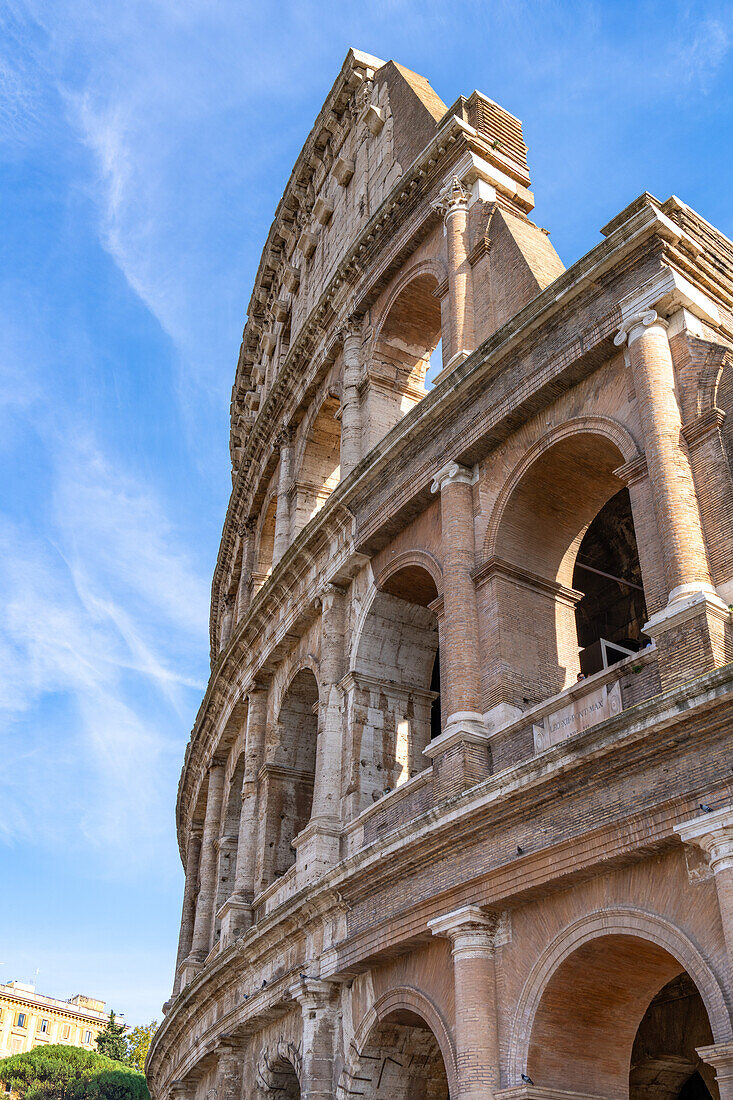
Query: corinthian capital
[455,196]
[285,437]
[352,327]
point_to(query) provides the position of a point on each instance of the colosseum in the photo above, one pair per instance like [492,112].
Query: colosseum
[456,814]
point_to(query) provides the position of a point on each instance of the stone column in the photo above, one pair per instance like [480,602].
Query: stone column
[462,747]
[201,940]
[226,620]
[453,203]
[188,915]
[350,399]
[720,1057]
[317,845]
[229,1066]
[691,649]
[236,913]
[473,937]
[285,479]
[713,832]
[317,1000]
[244,592]
[675,503]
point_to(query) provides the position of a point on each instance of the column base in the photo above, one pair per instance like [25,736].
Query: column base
[317,849]
[692,633]
[236,917]
[190,967]
[460,756]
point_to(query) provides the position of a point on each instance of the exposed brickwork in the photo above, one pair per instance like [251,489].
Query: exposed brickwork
[424,854]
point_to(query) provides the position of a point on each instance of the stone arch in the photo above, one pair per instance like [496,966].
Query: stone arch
[264,541]
[288,774]
[317,460]
[717,362]
[586,425]
[400,1009]
[282,683]
[563,486]
[411,559]
[552,1024]
[434,268]
[406,335]
[279,1071]
[389,689]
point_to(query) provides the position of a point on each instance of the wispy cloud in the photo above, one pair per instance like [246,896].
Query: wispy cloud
[101,632]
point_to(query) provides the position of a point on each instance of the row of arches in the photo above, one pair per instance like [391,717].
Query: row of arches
[402,360]
[613,1012]
[571,573]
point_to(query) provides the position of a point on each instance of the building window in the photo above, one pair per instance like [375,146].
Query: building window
[87,1037]
[66,1032]
[44,1027]
[21,1019]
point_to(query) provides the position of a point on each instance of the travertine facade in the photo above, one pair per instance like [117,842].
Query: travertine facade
[456,815]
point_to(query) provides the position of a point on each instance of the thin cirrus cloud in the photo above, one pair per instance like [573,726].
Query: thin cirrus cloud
[100,636]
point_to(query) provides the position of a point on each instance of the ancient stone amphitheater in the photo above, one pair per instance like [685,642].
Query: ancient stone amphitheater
[456,813]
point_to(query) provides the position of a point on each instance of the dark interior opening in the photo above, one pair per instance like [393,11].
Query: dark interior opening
[435,722]
[612,612]
[694,1089]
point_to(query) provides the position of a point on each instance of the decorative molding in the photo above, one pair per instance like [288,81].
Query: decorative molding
[452,474]
[635,324]
[713,832]
[454,198]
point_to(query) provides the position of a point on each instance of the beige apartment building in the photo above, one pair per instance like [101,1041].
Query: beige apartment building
[456,815]
[29,1019]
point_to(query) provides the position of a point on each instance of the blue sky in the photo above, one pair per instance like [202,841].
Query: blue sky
[143,149]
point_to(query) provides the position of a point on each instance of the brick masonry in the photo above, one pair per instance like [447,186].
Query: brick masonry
[391,890]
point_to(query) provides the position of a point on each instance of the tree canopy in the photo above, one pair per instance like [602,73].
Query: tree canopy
[111,1040]
[71,1073]
[138,1044]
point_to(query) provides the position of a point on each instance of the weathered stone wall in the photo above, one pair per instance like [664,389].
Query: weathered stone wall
[425,854]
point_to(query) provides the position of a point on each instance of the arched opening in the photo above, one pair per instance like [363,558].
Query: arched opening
[401,1060]
[276,1075]
[265,546]
[724,401]
[289,774]
[620,1017]
[229,841]
[406,341]
[285,1084]
[610,616]
[665,1064]
[319,470]
[394,704]
[548,516]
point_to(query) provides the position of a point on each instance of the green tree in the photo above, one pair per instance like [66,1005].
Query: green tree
[70,1073]
[138,1044]
[111,1040]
